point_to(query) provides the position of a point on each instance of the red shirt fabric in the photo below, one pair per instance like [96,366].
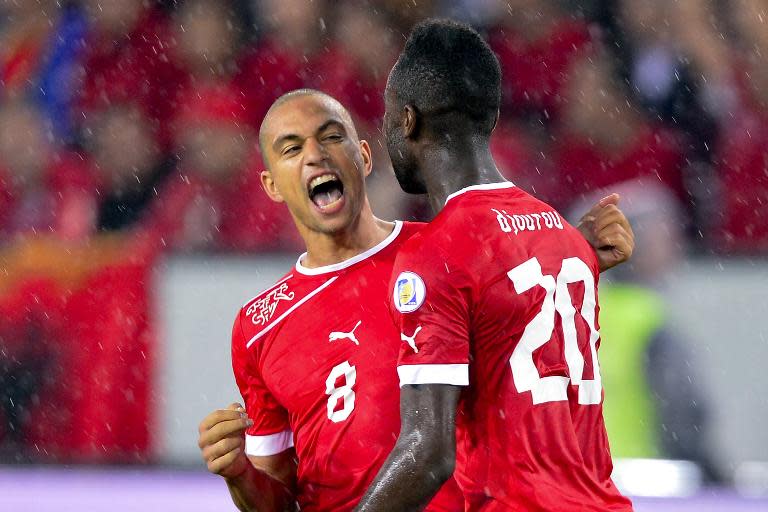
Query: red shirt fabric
[743,170]
[112,353]
[521,159]
[654,153]
[267,71]
[140,68]
[20,63]
[361,91]
[78,317]
[314,358]
[534,72]
[235,216]
[486,297]
[64,204]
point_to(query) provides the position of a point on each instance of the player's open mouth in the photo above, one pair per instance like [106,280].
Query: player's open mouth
[326,192]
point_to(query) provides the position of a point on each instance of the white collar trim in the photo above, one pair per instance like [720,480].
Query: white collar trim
[354,259]
[484,186]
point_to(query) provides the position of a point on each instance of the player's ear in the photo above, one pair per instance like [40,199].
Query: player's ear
[365,151]
[410,121]
[268,184]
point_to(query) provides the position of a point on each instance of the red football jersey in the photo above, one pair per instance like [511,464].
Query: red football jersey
[315,359]
[498,294]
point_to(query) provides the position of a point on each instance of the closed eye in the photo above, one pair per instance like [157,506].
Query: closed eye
[290,150]
[333,137]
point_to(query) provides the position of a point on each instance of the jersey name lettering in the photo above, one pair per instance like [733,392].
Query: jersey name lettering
[527,222]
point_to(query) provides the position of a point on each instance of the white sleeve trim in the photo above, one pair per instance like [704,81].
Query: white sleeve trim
[262,446]
[455,374]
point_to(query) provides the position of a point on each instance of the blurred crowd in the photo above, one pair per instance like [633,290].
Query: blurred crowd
[128,131]
[119,116]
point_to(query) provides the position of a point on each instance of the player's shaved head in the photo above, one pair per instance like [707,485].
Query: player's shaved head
[330,102]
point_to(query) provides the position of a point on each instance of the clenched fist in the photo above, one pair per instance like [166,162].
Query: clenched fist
[222,441]
[607,229]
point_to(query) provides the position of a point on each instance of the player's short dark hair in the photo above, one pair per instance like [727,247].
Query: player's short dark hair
[447,68]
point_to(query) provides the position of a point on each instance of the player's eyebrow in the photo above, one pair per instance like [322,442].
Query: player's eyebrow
[283,139]
[331,123]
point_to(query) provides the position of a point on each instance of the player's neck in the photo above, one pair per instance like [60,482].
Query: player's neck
[450,169]
[330,248]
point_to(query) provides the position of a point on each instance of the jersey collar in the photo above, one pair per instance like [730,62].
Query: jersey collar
[484,186]
[351,261]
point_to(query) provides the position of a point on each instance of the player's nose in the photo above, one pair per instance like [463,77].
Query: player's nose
[314,152]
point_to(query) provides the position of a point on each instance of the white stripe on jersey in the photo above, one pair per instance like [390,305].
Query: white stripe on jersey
[272,444]
[455,374]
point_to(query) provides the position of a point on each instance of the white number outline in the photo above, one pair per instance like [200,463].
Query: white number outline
[541,329]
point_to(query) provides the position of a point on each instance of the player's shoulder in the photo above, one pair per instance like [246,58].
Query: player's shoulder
[508,208]
[410,229]
[462,217]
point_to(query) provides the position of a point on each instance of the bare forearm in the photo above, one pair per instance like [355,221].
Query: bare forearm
[410,477]
[255,491]
[424,455]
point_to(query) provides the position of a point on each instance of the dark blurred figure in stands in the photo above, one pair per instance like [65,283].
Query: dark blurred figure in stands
[656,405]
[672,55]
[602,138]
[28,207]
[44,196]
[742,161]
[131,178]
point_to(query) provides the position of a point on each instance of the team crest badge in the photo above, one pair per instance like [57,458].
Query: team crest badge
[409,292]
[262,310]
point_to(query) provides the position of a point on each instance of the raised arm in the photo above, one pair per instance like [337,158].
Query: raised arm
[607,229]
[425,453]
[262,484]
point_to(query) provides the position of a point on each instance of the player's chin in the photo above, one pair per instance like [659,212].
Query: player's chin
[335,221]
[408,183]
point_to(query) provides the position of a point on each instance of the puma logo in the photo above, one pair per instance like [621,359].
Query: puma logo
[411,340]
[348,335]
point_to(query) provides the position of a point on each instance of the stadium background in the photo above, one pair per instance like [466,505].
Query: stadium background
[132,224]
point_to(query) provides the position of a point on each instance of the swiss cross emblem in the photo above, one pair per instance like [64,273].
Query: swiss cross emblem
[263,309]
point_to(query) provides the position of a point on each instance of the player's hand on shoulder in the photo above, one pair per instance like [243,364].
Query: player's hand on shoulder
[607,229]
[222,441]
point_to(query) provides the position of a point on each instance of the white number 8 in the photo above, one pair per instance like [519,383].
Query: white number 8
[541,328]
[344,392]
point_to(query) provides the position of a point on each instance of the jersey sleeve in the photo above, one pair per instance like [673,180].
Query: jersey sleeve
[430,303]
[271,432]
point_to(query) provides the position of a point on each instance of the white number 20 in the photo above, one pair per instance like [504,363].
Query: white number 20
[345,392]
[541,328]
